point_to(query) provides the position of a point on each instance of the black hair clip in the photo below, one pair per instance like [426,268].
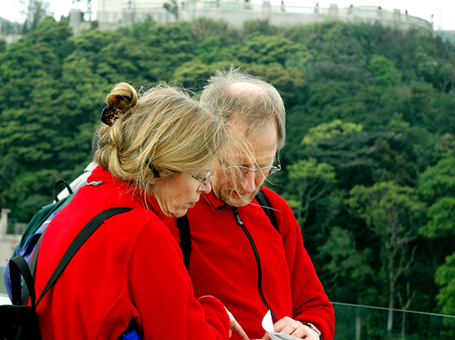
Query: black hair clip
[109,115]
[154,171]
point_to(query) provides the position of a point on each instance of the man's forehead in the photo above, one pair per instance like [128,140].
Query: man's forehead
[262,157]
[262,142]
[238,127]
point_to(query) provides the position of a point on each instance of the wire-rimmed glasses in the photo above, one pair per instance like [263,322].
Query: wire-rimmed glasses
[264,171]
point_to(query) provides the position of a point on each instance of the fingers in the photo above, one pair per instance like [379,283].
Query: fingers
[295,328]
[239,330]
[265,337]
[286,325]
[235,326]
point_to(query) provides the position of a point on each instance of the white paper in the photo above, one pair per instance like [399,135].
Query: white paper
[267,324]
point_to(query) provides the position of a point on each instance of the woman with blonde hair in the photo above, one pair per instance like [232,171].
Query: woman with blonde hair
[155,155]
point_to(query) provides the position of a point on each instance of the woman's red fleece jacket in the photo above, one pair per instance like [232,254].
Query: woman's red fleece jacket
[131,267]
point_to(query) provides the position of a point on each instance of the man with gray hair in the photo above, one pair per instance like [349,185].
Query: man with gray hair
[237,254]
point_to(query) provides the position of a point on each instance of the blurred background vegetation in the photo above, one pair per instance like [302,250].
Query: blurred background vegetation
[369,164]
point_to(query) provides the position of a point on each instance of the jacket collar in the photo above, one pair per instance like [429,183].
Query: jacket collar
[212,200]
[104,175]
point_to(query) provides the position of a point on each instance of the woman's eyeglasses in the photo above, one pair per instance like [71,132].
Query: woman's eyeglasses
[204,181]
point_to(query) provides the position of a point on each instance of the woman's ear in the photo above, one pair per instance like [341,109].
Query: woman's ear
[153,181]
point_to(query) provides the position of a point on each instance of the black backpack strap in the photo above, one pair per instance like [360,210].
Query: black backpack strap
[18,266]
[185,239]
[83,235]
[265,204]
[29,290]
[57,184]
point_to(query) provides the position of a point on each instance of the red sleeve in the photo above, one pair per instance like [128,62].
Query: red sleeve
[309,301]
[162,293]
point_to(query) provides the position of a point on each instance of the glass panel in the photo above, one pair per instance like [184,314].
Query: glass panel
[354,322]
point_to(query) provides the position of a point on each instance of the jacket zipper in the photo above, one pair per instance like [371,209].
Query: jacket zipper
[258,261]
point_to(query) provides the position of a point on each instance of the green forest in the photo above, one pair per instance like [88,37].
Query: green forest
[369,162]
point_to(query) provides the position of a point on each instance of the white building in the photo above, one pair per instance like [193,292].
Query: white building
[111,14]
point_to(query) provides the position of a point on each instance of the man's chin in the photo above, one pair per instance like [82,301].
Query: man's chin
[236,202]
[234,199]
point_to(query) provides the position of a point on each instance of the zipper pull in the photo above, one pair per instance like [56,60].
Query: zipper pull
[236,215]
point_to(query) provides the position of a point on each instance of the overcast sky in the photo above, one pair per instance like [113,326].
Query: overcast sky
[443,11]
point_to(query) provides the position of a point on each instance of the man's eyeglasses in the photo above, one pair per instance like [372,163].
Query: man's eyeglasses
[204,181]
[264,171]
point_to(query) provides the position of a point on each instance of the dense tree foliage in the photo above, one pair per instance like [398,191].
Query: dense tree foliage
[369,164]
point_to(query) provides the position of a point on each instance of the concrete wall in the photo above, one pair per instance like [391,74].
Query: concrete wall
[10,38]
[8,243]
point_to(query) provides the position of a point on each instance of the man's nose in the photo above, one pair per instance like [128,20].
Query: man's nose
[248,182]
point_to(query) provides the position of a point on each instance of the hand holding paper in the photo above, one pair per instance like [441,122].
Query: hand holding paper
[267,324]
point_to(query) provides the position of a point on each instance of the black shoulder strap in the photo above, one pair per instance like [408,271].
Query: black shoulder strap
[265,204]
[57,184]
[29,290]
[18,267]
[185,239]
[83,235]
